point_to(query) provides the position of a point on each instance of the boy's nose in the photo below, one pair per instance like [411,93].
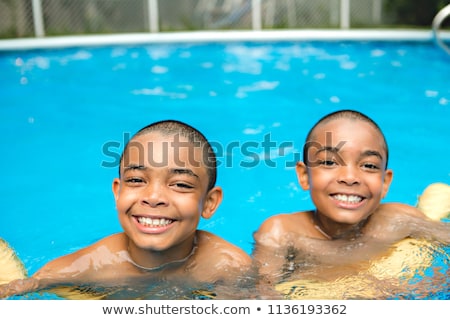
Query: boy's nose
[154,195]
[348,174]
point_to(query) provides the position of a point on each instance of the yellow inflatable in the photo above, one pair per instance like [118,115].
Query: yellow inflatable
[435,201]
[406,259]
[11,267]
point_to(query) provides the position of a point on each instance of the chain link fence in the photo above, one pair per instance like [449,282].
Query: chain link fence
[29,18]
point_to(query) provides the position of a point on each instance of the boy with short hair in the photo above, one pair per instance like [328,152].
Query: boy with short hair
[345,170]
[166,182]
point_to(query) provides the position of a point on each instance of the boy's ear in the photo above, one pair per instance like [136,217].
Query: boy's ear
[212,202]
[116,188]
[302,175]
[388,175]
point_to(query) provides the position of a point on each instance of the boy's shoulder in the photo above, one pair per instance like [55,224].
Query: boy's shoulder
[104,248]
[215,247]
[286,221]
[112,243]
[393,221]
[81,263]
[218,260]
[396,209]
[277,226]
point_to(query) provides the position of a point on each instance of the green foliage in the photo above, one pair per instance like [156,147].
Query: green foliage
[414,12]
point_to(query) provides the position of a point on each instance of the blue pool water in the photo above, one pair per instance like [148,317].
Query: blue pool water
[65,115]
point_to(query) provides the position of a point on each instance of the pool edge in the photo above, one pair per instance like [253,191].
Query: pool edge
[218,36]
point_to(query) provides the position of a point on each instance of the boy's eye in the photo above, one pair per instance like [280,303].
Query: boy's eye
[134,180]
[183,185]
[327,163]
[370,166]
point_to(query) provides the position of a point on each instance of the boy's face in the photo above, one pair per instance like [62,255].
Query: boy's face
[346,172]
[162,191]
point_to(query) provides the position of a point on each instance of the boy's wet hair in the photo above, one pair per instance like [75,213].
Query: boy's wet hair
[343,114]
[175,127]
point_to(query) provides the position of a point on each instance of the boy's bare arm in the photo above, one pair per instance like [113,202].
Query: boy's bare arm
[390,224]
[75,268]
[18,287]
[50,275]
[396,221]
[54,273]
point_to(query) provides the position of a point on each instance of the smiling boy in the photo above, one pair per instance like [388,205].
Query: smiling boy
[166,183]
[345,170]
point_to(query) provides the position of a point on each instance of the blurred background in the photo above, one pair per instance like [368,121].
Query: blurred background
[30,18]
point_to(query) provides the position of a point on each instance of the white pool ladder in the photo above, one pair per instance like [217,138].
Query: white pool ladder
[443,14]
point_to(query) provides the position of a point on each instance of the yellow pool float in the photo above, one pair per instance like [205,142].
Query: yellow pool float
[407,258]
[11,267]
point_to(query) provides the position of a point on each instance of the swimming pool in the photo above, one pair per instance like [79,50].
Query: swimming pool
[66,113]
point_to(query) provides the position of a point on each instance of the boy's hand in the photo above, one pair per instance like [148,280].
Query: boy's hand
[17,287]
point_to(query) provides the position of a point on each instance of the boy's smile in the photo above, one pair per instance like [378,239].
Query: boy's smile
[348,201]
[347,178]
[153,225]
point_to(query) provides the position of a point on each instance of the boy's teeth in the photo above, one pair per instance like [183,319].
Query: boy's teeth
[149,222]
[346,198]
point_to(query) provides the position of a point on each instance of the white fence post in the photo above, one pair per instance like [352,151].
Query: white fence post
[256,15]
[345,14]
[377,8]
[153,15]
[38,18]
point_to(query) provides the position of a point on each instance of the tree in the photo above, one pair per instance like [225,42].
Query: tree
[414,12]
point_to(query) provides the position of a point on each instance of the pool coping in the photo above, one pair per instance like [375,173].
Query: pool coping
[220,36]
